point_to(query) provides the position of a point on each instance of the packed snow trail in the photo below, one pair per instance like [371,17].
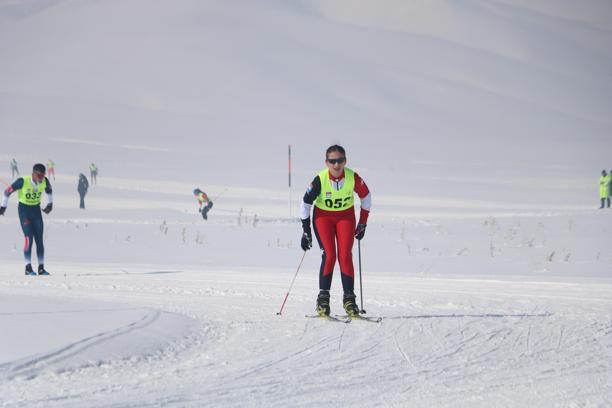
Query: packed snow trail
[443,342]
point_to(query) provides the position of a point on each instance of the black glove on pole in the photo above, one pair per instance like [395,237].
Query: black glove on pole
[307,235]
[360,231]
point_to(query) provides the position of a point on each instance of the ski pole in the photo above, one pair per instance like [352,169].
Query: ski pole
[362,311]
[220,194]
[280,312]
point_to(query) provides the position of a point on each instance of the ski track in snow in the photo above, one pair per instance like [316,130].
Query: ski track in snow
[462,353]
[30,367]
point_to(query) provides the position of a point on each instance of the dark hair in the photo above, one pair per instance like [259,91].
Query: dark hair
[39,168]
[335,148]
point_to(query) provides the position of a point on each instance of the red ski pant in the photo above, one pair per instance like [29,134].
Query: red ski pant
[335,232]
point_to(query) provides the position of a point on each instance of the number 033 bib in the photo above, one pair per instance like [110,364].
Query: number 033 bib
[30,193]
[336,200]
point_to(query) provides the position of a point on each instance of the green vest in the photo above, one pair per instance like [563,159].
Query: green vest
[604,186]
[30,194]
[332,200]
[202,197]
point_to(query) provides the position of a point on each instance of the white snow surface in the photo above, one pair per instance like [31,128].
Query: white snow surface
[481,128]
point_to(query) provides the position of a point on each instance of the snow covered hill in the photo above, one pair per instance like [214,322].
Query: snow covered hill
[481,128]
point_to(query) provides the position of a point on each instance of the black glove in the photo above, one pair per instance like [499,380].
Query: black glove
[307,235]
[48,208]
[306,241]
[2,210]
[360,231]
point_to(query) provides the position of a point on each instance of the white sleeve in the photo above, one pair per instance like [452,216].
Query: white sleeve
[305,210]
[49,198]
[366,202]
[4,200]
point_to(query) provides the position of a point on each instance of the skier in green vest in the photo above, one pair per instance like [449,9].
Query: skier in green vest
[30,189]
[204,202]
[604,188]
[93,173]
[331,193]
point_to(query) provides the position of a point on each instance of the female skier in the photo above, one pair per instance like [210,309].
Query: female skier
[332,192]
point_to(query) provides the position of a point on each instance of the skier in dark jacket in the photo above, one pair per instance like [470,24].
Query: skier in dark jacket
[30,189]
[82,189]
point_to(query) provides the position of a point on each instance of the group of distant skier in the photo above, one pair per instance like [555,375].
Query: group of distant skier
[83,183]
[329,197]
[30,190]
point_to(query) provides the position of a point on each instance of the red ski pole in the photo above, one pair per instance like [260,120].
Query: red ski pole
[280,312]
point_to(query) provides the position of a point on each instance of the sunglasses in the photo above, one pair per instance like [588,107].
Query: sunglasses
[339,160]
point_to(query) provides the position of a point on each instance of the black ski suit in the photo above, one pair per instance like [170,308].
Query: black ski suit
[82,189]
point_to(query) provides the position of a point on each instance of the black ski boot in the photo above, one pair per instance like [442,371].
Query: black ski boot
[323,303]
[349,305]
[41,270]
[29,271]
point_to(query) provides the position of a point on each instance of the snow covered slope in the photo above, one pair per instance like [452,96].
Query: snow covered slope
[490,83]
[481,128]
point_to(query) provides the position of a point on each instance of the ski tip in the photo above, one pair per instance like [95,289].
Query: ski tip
[370,319]
[329,318]
[363,318]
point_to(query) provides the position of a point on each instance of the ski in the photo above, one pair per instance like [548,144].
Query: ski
[329,318]
[359,317]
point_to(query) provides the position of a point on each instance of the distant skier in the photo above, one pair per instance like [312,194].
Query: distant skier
[609,185]
[604,188]
[30,190]
[51,168]
[82,189]
[332,192]
[14,169]
[93,173]
[205,203]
